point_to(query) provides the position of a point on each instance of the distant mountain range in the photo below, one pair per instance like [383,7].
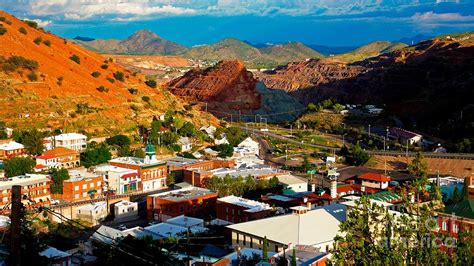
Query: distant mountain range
[259,55]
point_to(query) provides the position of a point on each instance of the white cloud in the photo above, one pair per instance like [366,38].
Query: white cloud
[41,23]
[440,17]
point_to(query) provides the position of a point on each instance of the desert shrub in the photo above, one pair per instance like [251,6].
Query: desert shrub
[47,42]
[151,83]
[60,81]
[95,74]
[111,80]
[15,62]
[32,24]
[75,58]
[32,76]
[22,30]
[133,91]
[104,66]
[3,30]
[118,76]
[38,40]
[146,99]
[102,89]
[135,107]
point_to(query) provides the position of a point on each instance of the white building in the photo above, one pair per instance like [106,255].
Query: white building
[375,180]
[118,179]
[11,149]
[73,141]
[92,213]
[185,144]
[316,228]
[125,211]
[293,184]
[221,141]
[247,147]
[186,221]
[57,257]
[209,130]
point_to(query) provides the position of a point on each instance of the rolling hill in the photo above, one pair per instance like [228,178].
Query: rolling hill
[142,42]
[370,50]
[49,82]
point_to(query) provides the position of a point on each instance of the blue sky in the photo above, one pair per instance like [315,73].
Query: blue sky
[192,22]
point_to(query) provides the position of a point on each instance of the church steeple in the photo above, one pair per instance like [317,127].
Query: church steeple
[150,155]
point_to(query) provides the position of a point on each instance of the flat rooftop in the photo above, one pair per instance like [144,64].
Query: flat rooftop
[135,161]
[251,206]
[179,161]
[80,174]
[22,180]
[182,194]
[114,169]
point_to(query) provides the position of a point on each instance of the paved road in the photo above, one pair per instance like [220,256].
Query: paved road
[459,156]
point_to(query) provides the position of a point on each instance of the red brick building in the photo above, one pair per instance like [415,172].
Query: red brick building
[237,210]
[34,188]
[197,173]
[11,149]
[190,201]
[152,171]
[81,185]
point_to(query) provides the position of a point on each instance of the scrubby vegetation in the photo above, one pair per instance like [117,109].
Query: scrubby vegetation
[32,24]
[102,89]
[111,80]
[133,91]
[32,76]
[104,66]
[15,62]
[22,30]
[3,30]
[95,74]
[146,99]
[38,40]
[75,58]
[47,42]
[151,83]
[119,76]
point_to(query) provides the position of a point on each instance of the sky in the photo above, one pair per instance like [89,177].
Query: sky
[195,22]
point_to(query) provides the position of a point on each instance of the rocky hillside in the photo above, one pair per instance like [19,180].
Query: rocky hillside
[231,92]
[49,82]
[427,84]
[372,49]
[142,42]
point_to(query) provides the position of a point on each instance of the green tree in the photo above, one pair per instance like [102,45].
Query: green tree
[155,132]
[235,135]
[357,156]
[225,150]
[151,83]
[139,153]
[293,258]
[418,167]
[58,176]
[457,197]
[187,130]
[95,154]
[119,76]
[326,104]
[169,138]
[31,139]
[338,108]
[274,182]
[250,183]
[265,249]
[19,166]
[170,180]
[465,188]
[119,140]
[76,59]
[3,134]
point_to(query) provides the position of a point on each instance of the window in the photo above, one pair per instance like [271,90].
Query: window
[91,185]
[455,228]
[445,226]
[84,186]
[76,196]
[76,188]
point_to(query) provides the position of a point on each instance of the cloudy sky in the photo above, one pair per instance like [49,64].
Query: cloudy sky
[192,22]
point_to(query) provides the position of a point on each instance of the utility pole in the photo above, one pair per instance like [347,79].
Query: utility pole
[369,130]
[206,107]
[240,114]
[407,150]
[15,227]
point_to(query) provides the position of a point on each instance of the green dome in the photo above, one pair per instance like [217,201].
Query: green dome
[150,149]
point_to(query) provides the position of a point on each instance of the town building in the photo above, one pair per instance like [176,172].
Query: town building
[58,157]
[92,213]
[305,256]
[209,130]
[193,201]
[404,136]
[236,209]
[152,172]
[176,166]
[247,147]
[316,228]
[57,257]
[11,149]
[81,185]
[125,211]
[185,144]
[118,180]
[177,227]
[73,141]
[199,172]
[374,180]
[35,189]
[292,184]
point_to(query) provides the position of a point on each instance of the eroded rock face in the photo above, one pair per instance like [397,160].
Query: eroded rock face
[228,86]
[310,74]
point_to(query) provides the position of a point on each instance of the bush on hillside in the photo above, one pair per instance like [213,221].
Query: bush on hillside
[102,89]
[32,76]
[104,66]
[118,76]
[146,99]
[47,42]
[22,30]
[133,91]
[151,83]
[38,40]
[75,58]
[3,30]
[15,62]
[111,80]
[95,74]
[32,24]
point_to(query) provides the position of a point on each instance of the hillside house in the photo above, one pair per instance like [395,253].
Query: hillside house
[58,157]
[405,136]
[73,141]
[11,149]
